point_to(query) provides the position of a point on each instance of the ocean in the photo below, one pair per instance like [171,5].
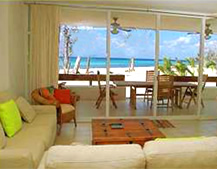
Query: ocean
[115,62]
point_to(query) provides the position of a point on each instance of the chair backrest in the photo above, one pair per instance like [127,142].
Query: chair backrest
[150,75]
[98,80]
[205,77]
[165,86]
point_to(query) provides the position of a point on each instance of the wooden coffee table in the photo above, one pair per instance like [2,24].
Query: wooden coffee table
[134,131]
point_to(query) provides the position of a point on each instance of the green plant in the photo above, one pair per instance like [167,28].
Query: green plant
[192,63]
[182,68]
[211,59]
[166,68]
[211,64]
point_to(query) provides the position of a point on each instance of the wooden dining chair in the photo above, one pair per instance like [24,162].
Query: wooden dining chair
[149,91]
[165,93]
[102,92]
[192,94]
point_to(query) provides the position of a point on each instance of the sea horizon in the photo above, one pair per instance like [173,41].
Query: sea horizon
[100,62]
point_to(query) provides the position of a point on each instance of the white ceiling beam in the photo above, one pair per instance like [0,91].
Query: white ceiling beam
[129,9]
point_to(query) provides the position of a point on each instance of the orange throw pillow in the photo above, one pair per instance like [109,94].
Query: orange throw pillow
[46,94]
[63,95]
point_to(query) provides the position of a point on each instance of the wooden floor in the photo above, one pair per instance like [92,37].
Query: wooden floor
[183,128]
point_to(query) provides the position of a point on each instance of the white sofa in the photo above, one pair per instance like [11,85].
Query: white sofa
[167,154]
[26,148]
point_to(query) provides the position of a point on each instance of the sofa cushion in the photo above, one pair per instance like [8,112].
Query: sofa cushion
[43,128]
[10,118]
[192,153]
[91,157]
[26,110]
[28,140]
[2,138]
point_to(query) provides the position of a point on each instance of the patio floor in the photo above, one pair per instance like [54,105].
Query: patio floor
[86,110]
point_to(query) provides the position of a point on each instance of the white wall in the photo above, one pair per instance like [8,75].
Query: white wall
[4,59]
[13,47]
[16,47]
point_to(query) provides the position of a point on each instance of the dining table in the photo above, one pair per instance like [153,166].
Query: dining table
[178,86]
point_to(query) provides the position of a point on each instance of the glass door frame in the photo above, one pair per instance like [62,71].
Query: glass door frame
[157,52]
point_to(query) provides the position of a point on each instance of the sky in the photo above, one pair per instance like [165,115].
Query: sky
[139,43]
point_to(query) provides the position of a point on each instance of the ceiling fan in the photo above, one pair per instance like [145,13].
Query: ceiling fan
[116,26]
[208,32]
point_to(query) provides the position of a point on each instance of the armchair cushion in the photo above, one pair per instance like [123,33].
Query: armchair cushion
[63,95]
[66,108]
[26,110]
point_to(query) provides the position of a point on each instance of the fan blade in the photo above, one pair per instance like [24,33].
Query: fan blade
[193,33]
[126,30]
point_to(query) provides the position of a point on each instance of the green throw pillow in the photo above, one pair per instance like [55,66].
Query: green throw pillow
[10,118]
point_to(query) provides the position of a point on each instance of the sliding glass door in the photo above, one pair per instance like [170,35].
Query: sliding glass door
[132,49]
[82,55]
[132,55]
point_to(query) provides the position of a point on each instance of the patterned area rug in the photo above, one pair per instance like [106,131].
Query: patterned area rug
[163,124]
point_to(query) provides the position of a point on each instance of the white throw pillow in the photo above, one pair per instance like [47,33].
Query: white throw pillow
[2,138]
[27,112]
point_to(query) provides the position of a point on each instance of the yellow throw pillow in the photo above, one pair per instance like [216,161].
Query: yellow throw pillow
[10,118]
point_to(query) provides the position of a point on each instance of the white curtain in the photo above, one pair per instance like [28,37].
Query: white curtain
[44,46]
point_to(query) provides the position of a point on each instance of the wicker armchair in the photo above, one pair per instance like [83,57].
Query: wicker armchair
[65,112]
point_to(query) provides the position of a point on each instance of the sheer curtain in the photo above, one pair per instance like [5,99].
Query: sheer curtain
[44,46]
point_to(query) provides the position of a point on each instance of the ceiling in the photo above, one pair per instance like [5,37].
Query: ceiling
[196,6]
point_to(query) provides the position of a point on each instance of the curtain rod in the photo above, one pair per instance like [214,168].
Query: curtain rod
[128,9]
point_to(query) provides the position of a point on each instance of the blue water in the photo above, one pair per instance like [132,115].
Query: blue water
[115,62]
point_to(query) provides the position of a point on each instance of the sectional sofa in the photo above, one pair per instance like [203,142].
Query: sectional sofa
[26,148]
[32,147]
[190,153]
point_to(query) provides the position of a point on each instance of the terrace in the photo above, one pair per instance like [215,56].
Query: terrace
[139,41]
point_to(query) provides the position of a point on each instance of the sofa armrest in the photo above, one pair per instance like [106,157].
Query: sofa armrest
[44,109]
[15,159]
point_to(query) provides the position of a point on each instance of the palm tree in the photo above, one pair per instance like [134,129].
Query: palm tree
[191,63]
[211,64]
[182,68]
[166,68]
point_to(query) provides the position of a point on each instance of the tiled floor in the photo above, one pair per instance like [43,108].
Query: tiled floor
[187,128]
[86,110]
[183,128]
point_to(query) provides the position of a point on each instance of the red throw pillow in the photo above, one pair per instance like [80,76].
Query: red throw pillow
[63,95]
